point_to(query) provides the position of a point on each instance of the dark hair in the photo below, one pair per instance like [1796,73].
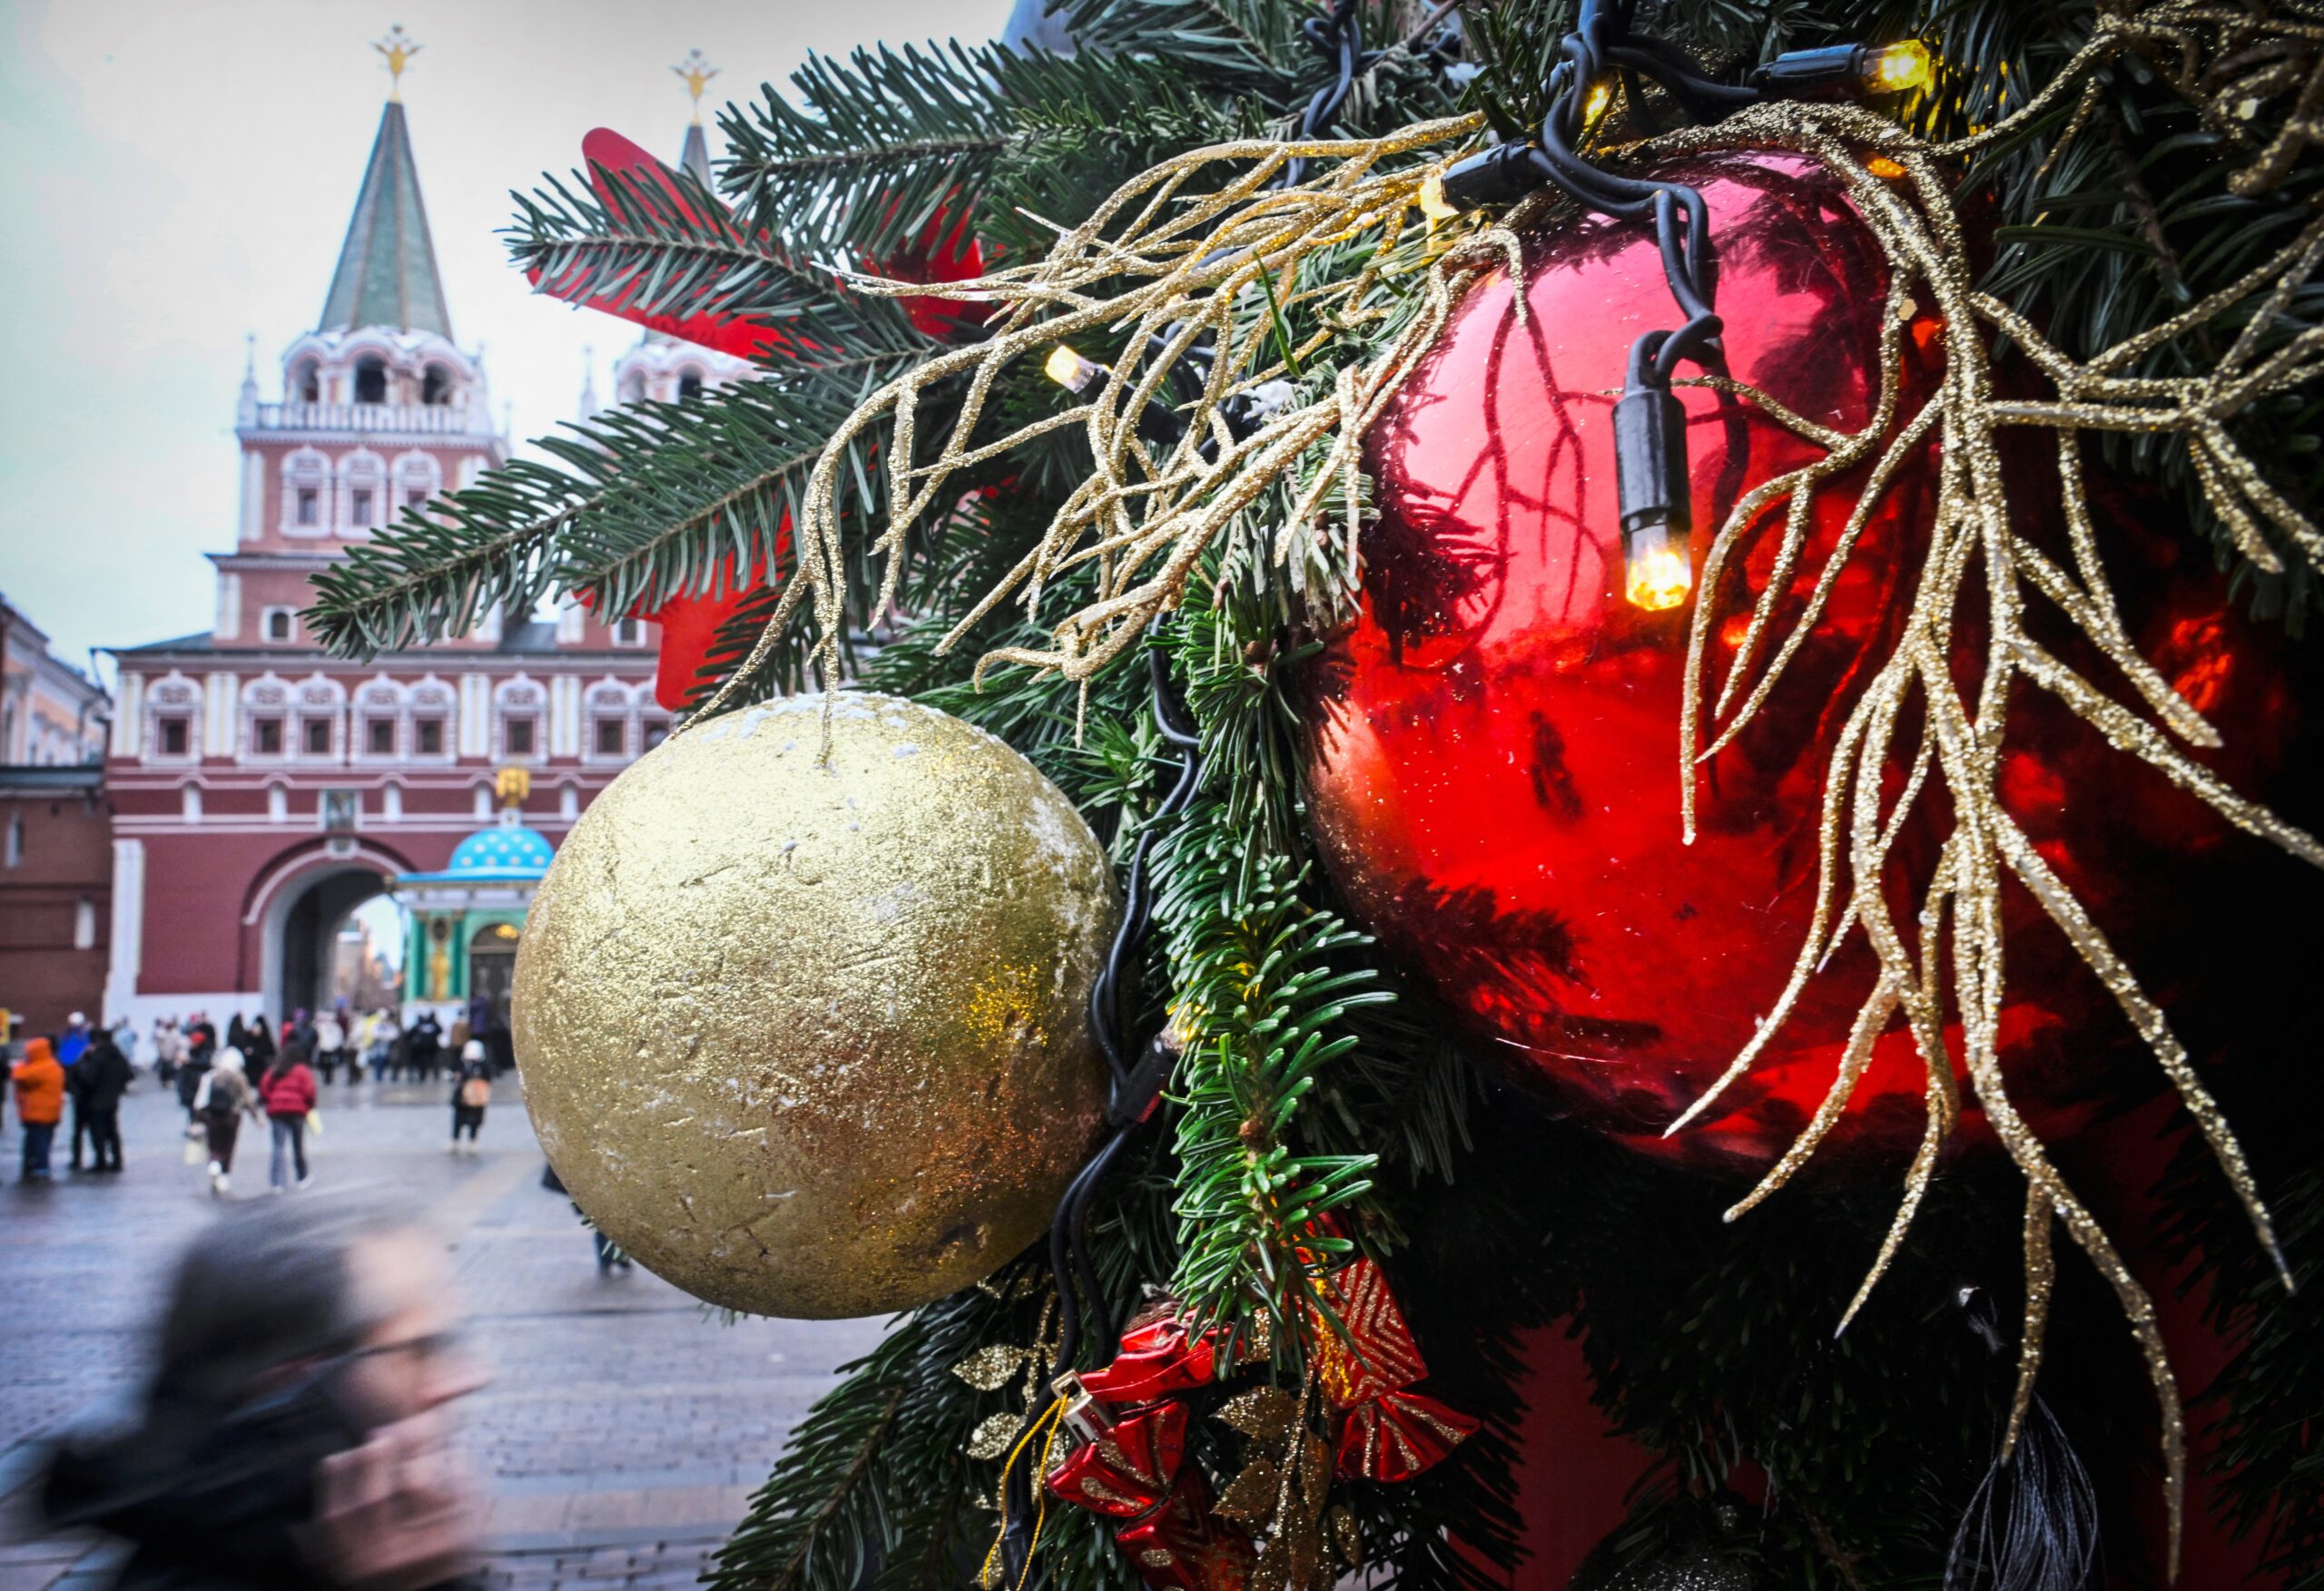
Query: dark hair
[260,1288]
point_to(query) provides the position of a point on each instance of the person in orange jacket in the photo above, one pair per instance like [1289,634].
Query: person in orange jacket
[40,1103]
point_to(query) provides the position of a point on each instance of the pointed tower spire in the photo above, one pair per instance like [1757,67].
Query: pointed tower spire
[246,402]
[387,267]
[697,72]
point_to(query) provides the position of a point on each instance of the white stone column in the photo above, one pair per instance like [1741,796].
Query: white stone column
[564,716]
[127,959]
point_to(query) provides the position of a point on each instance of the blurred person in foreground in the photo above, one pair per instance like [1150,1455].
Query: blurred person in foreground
[294,1430]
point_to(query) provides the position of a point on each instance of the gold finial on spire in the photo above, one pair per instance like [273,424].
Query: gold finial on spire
[697,71]
[397,48]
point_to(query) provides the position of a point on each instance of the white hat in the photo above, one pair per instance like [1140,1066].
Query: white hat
[77,1020]
[473,1050]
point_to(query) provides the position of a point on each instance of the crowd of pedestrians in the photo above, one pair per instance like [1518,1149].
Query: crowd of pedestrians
[255,1069]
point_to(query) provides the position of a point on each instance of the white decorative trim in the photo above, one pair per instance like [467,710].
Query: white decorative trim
[253,519]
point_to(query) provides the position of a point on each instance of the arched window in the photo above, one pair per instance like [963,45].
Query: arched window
[268,729]
[436,386]
[379,712]
[431,719]
[371,380]
[689,383]
[418,478]
[607,737]
[520,708]
[306,481]
[307,382]
[174,718]
[362,491]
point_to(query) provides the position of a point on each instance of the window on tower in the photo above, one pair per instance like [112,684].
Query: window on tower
[427,736]
[172,731]
[310,504]
[307,382]
[518,734]
[281,624]
[612,738]
[689,384]
[318,737]
[629,631]
[657,730]
[371,380]
[380,736]
[360,506]
[266,736]
[436,386]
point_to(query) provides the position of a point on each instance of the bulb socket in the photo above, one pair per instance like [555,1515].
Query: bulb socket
[1845,71]
[1500,175]
[1651,460]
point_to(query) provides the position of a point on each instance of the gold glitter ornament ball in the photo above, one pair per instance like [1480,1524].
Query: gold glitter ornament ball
[811,1038]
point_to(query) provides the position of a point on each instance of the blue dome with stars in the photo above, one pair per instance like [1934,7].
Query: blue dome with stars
[505,850]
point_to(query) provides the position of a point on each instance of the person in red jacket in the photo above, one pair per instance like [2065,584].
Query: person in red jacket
[287,1089]
[40,1103]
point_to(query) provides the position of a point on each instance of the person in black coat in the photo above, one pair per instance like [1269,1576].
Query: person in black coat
[98,1080]
[423,1045]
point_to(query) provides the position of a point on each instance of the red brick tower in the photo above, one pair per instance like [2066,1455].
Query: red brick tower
[263,789]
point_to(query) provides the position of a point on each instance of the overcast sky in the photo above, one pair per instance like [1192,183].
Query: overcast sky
[175,174]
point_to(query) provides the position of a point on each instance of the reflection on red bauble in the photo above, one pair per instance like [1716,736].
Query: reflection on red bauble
[1496,769]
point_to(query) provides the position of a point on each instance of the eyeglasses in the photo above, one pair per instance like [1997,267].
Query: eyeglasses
[434,1346]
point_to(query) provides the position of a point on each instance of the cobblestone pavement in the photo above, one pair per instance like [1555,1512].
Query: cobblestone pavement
[623,1428]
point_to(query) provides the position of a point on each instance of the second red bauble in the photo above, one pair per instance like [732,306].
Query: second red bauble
[1495,767]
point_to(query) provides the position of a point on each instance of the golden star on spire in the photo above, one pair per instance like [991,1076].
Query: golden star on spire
[397,48]
[697,71]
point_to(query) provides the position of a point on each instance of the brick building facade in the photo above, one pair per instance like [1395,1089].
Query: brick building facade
[263,789]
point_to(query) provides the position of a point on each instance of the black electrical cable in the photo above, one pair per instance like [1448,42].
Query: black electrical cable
[1137,1086]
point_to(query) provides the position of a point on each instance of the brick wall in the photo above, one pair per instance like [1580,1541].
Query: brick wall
[56,895]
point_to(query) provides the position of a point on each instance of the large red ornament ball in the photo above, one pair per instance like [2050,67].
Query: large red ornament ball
[1495,768]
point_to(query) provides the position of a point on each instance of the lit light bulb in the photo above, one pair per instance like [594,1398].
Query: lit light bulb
[1594,103]
[1658,571]
[1432,202]
[1895,68]
[1069,369]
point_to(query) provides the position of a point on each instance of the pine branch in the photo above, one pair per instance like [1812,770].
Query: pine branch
[660,244]
[870,151]
[654,499]
[1251,44]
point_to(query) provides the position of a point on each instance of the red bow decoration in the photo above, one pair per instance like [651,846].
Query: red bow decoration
[623,173]
[1390,1434]
[1184,1546]
[1129,1468]
[1156,1358]
[1397,1435]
